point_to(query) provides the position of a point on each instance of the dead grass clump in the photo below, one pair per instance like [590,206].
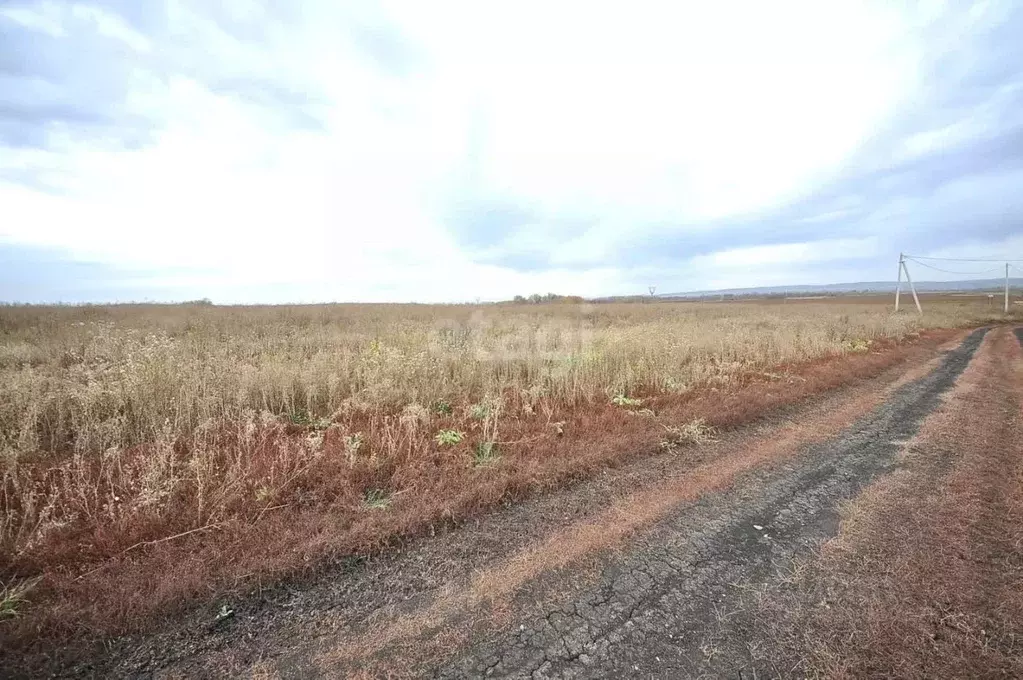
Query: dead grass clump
[693,433]
[14,595]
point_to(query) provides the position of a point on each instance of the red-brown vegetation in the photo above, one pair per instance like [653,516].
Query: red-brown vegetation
[926,576]
[104,576]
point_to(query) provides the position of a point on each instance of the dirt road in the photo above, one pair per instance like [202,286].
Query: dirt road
[701,562]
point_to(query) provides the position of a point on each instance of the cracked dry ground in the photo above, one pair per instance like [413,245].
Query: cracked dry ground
[873,532]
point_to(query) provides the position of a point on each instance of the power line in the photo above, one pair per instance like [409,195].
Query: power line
[949,271]
[903,269]
[961,259]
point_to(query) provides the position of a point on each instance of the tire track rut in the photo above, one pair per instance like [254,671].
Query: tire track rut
[651,611]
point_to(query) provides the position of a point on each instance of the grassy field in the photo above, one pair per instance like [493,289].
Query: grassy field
[151,444]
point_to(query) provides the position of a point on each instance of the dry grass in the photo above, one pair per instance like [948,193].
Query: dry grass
[418,635]
[693,433]
[926,577]
[14,595]
[144,440]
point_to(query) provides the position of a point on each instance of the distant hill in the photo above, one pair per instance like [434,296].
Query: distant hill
[977,285]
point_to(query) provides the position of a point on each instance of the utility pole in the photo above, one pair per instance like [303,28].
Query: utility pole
[1006,287]
[912,288]
[904,269]
[898,284]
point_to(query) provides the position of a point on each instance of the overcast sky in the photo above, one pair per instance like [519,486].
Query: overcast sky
[437,151]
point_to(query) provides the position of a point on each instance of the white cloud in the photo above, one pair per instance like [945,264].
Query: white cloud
[111,26]
[44,17]
[677,110]
[792,253]
[632,122]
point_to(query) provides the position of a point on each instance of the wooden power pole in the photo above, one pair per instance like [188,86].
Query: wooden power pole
[1006,287]
[898,286]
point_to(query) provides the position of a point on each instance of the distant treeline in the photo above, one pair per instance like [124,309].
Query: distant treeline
[537,299]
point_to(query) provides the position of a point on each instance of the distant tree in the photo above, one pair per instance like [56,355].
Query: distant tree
[520,300]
